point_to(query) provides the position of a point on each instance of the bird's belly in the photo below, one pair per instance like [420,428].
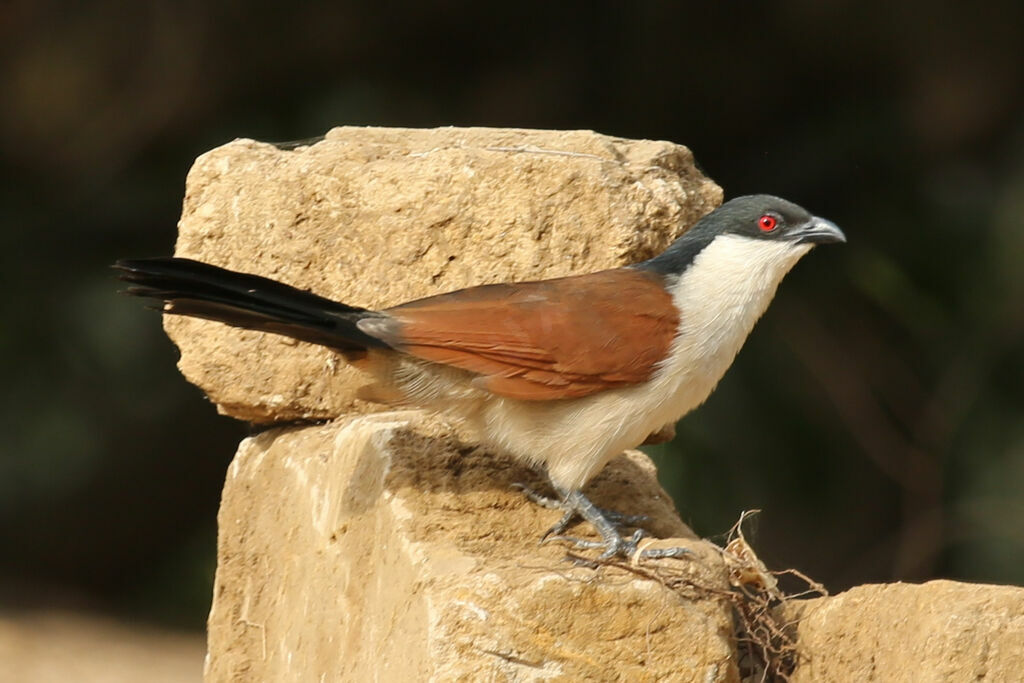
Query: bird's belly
[575,438]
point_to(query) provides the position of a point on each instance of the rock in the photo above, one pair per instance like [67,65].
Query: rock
[937,631]
[378,216]
[381,547]
[385,547]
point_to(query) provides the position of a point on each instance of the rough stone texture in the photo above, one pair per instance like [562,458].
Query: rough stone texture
[63,647]
[382,548]
[937,631]
[377,216]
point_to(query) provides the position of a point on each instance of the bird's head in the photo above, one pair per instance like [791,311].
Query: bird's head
[754,224]
[764,217]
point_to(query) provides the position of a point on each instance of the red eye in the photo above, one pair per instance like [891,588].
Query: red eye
[767,223]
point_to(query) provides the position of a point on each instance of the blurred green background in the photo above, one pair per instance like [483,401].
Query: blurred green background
[876,414]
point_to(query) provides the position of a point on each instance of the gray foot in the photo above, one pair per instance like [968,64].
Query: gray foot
[606,522]
[620,520]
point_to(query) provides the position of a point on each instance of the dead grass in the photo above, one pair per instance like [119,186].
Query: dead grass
[765,641]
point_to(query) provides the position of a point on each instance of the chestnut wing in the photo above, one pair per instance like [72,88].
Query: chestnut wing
[560,338]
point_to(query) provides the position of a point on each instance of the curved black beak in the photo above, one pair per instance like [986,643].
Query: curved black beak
[818,231]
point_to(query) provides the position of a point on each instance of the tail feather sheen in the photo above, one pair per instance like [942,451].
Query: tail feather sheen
[251,302]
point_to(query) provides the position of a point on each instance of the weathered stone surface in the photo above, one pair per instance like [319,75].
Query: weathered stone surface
[381,547]
[377,216]
[937,631]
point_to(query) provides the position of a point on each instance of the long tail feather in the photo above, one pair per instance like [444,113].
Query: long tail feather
[252,302]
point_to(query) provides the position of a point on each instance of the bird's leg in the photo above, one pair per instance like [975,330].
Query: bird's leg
[551,504]
[620,520]
[614,544]
[574,504]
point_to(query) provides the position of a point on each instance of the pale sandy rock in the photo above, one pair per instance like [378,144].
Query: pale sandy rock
[58,647]
[381,548]
[937,631]
[378,216]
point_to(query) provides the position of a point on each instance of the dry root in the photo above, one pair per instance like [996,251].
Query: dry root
[766,642]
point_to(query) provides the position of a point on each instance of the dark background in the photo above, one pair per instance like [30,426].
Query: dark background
[876,414]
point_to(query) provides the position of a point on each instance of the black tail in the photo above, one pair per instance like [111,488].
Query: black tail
[256,303]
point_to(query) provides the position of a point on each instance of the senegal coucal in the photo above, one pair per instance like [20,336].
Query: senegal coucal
[563,374]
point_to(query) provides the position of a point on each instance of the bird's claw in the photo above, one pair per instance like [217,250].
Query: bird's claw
[621,547]
[608,524]
[558,527]
[621,520]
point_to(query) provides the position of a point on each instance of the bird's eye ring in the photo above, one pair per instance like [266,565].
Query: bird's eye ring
[767,222]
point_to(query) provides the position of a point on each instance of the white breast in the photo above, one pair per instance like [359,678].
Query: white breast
[720,297]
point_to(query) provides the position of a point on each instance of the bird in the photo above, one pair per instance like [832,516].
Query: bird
[562,374]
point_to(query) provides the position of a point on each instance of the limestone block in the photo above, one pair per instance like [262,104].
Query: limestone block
[937,631]
[383,548]
[378,216]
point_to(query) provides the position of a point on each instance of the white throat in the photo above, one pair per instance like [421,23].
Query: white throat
[720,296]
[729,285]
